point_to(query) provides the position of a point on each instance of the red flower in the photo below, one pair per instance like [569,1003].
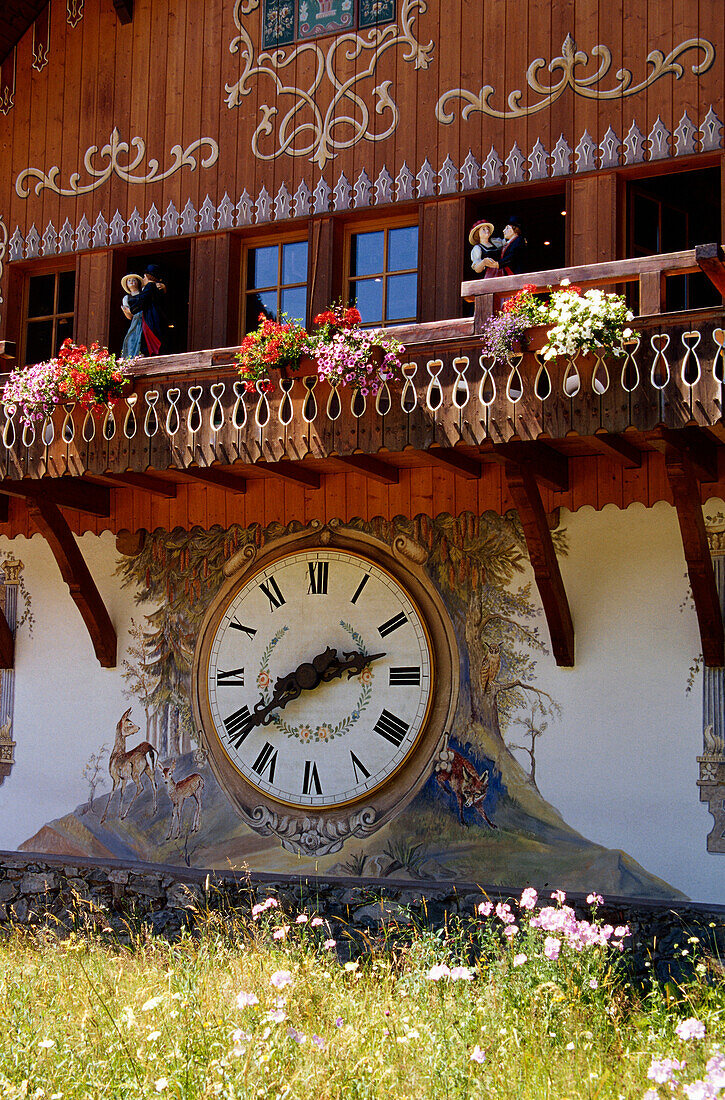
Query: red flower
[352,316]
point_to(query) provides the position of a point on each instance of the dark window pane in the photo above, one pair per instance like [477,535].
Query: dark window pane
[294,262]
[66,291]
[262,266]
[294,303]
[367,253]
[373,12]
[64,331]
[646,236]
[369,294]
[41,291]
[674,229]
[403,248]
[39,343]
[266,303]
[402,297]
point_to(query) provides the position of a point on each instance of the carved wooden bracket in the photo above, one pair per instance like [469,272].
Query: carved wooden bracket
[76,574]
[124,10]
[686,494]
[7,643]
[527,498]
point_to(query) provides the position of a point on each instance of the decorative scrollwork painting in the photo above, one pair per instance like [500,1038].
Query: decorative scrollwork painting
[111,152]
[308,128]
[570,64]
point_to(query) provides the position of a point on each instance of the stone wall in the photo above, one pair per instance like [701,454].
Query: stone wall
[110,897]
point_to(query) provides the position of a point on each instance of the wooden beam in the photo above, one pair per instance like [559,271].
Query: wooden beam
[291,471]
[124,10]
[66,492]
[52,525]
[710,260]
[691,444]
[463,464]
[618,447]
[521,478]
[7,643]
[550,467]
[147,483]
[223,479]
[686,493]
[372,467]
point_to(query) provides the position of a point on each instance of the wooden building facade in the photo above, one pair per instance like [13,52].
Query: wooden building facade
[553,532]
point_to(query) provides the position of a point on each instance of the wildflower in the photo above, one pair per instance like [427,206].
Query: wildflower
[552,947]
[484,909]
[257,910]
[238,1038]
[151,1004]
[46,1044]
[699,1090]
[301,919]
[716,1071]
[329,944]
[277,1015]
[478,1055]
[510,931]
[651,1094]
[280,933]
[571,1046]
[247,1000]
[690,1029]
[318,1041]
[559,896]
[503,912]
[595,899]
[351,966]
[663,1070]
[152,1036]
[593,983]
[161,1084]
[298,1036]
[339,1021]
[281,978]
[529,898]
[316,922]
[520,959]
[440,970]
[461,973]
[621,931]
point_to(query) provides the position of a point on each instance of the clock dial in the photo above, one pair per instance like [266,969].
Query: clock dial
[318,678]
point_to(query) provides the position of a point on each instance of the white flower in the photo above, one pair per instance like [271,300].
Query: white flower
[154,1002]
[46,1044]
[161,1084]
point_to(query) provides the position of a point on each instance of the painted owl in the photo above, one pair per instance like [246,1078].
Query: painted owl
[490,666]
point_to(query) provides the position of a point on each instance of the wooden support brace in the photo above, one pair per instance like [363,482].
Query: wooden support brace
[7,643]
[372,467]
[686,494]
[691,444]
[710,260]
[550,466]
[147,483]
[527,498]
[619,448]
[213,476]
[66,492]
[462,464]
[52,525]
[291,471]
[124,10]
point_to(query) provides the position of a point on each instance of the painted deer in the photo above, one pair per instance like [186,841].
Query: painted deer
[189,787]
[464,782]
[133,764]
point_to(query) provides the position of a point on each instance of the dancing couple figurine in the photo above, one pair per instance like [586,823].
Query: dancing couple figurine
[143,306]
[493,256]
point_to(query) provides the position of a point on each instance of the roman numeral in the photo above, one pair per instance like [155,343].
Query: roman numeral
[238,725]
[266,759]
[319,571]
[406,674]
[392,624]
[311,779]
[273,594]
[235,677]
[248,630]
[391,727]
[358,766]
[360,587]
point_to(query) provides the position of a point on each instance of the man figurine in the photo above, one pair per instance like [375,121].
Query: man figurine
[149,302]
[512,260]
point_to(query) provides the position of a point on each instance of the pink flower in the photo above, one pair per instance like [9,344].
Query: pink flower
[700,1090]
[663,1071]
[520,959]
[257,910]
[484,909]
[622,930]
[437,972]
[503,912]
[281,978]
[477,1055]
[298,1036]
[690,1029]
[277,1015]
[595,899]
[246,1000]
[316,922]
[559,896]
[552,947]
[593,983]
[510,931]
[280,933]
[461,973]
[529,898]
[319,1042]
[329,944]
[301,919]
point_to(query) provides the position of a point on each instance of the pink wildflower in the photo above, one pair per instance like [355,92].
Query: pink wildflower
[461,973]
[510,931]
[484,909]
[559,896]
[690,1029]
[280,933]
[318,1041]
[440,970]
[520,959]
[552,947]
[663,1071]
[329,944]
[246,1000]
[503,912]
[281,978]
[277,1015]
[595,899]
[529,898]
[478,1055]
[621,931]
[301,919]
[316,922]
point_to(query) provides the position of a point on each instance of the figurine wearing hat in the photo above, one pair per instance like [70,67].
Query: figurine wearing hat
[132,341]
[149,304]
[485,247]
[512,259]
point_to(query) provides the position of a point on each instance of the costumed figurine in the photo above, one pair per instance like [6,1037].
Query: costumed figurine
[485,247]
[512,258]
[149,303]
[132,341]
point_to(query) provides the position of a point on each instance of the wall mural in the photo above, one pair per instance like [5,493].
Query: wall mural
[306,129]
[478,812]
[711,780]
[571,59]
[111,151]
[12,584]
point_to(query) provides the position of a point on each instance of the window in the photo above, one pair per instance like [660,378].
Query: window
[276,282]
[383,274]
[288,20]
[48,313]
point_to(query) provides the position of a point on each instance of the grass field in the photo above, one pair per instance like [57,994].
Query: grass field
[516,1002]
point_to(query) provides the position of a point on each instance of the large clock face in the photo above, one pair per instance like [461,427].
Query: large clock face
[318,678]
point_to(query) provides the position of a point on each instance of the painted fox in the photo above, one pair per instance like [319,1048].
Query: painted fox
[463,781]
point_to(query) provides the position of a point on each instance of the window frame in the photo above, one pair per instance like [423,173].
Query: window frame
[403,221]
[55,267]
[248,245]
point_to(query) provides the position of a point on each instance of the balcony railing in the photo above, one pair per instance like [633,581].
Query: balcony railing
[191,410]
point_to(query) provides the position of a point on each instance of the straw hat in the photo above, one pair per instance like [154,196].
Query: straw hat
[125,282]
[473,235]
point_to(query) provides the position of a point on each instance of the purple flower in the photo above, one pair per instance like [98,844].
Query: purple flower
[318,1041]
[339,1021]
[690,1029]
[662,1071]
[552,947]
[298,1036]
